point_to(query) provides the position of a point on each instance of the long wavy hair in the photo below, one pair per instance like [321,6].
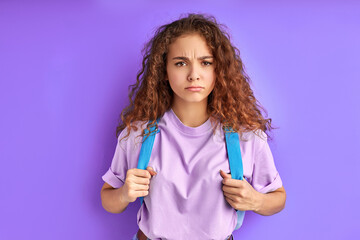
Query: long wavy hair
[231,103]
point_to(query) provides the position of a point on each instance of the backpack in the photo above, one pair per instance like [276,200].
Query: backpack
[233,151]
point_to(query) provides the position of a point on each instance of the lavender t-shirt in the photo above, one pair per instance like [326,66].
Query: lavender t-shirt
[185,198]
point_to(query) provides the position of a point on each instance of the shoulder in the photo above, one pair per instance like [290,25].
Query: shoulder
[255,136]
[255,139]
[134,137]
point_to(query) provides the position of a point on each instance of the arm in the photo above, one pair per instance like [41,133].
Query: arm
[137,181]
[111,199]
[271,203]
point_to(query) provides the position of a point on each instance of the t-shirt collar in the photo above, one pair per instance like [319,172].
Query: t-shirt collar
[199,130]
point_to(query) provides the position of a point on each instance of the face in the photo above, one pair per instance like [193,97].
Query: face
[190,69]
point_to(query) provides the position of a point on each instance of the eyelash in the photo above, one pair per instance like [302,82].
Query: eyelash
[209,63]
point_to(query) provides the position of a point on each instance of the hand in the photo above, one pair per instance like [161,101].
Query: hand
[240,194]
[136,184]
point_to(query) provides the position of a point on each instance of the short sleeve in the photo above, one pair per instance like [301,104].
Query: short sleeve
[116,174]
[265,176]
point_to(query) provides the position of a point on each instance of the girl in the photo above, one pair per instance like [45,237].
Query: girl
[193,80]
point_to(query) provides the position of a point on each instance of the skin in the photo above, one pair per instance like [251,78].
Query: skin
[186,66]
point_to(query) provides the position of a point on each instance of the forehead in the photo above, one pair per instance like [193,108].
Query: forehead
[189,44]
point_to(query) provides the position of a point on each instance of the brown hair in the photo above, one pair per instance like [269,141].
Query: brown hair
[231,103]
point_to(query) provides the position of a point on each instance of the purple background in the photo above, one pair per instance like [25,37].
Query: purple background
[64,70]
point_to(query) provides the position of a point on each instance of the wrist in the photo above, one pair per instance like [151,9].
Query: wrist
[259,201]
[121,196]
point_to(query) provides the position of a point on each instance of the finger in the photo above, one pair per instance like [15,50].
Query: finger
[141,193]
[231,202]
[232,182]
[151,170]
[230,190]
[224,174]
[141,173]
[141,180]
[140,187]
[231,196]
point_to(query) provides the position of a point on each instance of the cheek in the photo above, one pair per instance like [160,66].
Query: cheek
[211,79]
[175,83]
[213,84]
[177,78]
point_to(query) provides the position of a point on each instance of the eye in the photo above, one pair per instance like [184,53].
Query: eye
[182,64]
[207,63]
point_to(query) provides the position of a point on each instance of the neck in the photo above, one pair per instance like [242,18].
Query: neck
[191,114]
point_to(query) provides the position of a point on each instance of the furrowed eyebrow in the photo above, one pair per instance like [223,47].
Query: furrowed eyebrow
[199,58]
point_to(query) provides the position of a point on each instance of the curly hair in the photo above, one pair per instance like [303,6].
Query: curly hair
[231,103]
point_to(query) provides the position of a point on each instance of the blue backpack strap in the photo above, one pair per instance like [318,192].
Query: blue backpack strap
[146,148]
[236,165]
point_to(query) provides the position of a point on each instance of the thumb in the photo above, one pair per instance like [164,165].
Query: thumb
[151,171]
[224,174]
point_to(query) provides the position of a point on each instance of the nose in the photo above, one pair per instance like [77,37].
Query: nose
[193,74]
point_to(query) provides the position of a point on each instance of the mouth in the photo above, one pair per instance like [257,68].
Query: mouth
[194,88]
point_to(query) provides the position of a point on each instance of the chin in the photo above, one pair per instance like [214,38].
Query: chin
[198,100]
